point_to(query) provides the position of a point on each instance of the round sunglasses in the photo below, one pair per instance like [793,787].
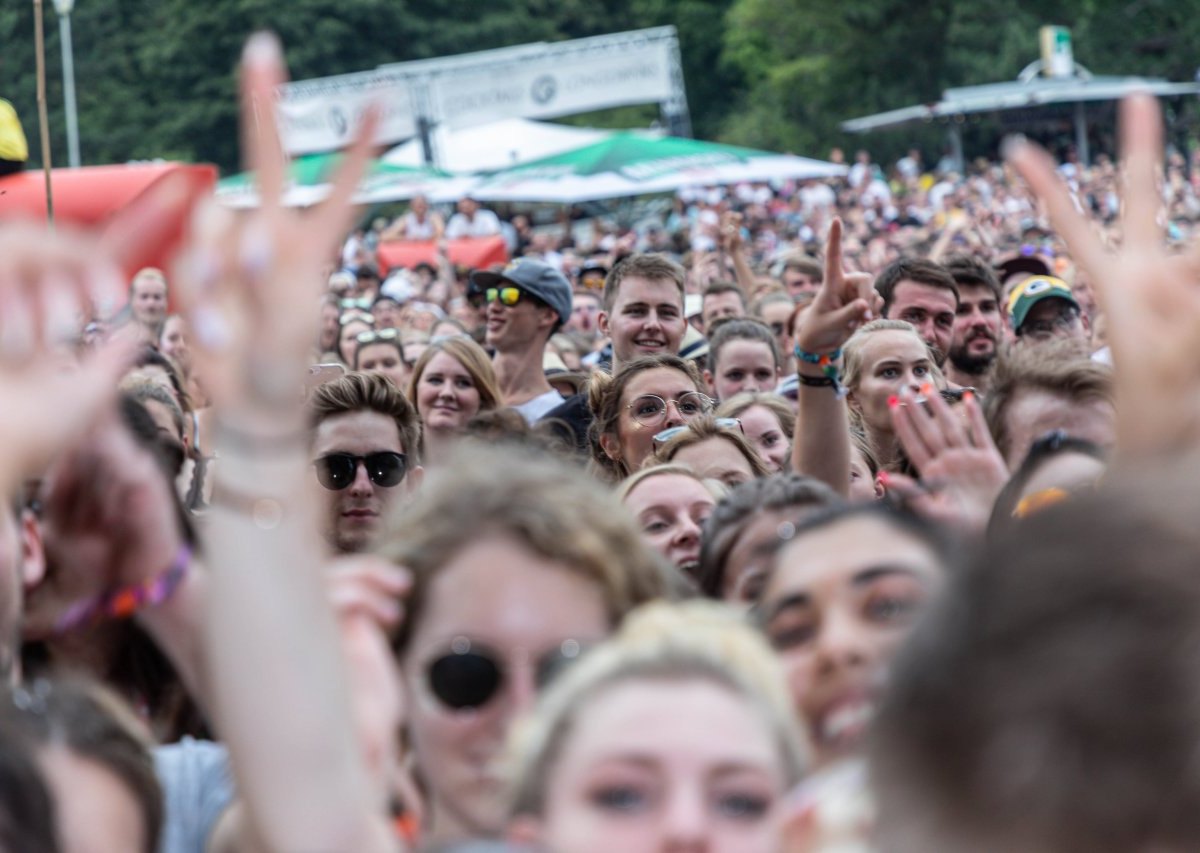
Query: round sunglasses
[337,471]
[650,409]
[468,675]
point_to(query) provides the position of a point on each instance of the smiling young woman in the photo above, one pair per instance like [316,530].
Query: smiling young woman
[839,597]
[451,383]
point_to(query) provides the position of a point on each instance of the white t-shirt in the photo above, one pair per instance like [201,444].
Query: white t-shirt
[484,224]
[350,250]
[532,410]
[415,229]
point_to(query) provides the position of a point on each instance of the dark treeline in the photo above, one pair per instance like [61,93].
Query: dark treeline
[155,77]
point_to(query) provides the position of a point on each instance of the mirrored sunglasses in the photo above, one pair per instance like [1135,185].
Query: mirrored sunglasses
[507,295]
[359,316]
[380,335]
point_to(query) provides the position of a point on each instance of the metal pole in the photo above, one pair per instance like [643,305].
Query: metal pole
[425,129]
[1081,140]
[39,45]
[675,110]
[68,60]
[427,122]
[956,147]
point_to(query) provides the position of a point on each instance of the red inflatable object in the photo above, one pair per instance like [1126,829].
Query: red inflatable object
[473,252]
[90,196]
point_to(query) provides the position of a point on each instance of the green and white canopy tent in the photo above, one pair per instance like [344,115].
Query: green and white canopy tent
[633,163]
[309,178]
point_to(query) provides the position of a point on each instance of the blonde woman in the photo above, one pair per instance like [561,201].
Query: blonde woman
[670,504]
[767,422]
[714,448]
[631,750]
[451,383]
[851,367]
[882,360]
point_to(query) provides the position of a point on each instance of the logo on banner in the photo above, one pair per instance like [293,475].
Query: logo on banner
[544,89]
[338,119]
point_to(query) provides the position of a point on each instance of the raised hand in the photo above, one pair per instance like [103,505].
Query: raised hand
[1150,294]
[366,592]
[961,470]
[844,302]
[109,520]
[247,286]
[731,231]
[821,443]
[245,283]
[49,283]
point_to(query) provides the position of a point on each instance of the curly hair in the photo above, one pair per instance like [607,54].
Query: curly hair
[550,507]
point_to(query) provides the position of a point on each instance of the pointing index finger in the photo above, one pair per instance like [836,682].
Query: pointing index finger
[833,267]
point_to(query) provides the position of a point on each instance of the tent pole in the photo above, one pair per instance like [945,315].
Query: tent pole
[39,43]
[1081,139]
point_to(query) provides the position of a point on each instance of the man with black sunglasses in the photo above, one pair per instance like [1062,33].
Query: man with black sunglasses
[527,303]
[365,445]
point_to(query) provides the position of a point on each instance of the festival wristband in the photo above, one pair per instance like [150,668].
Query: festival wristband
[124,601]
[817,358]
[816,381]
[830,376]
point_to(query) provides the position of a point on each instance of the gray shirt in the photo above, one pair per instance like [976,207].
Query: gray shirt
[197,786]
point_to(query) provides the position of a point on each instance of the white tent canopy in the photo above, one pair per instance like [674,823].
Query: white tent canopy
[633,163]
[500,145]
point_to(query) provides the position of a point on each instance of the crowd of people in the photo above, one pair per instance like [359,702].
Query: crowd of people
[847,516]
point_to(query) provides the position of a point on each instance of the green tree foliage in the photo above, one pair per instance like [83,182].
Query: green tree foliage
[155,78]
[811,64]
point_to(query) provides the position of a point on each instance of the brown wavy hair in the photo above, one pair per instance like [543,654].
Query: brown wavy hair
[605,394]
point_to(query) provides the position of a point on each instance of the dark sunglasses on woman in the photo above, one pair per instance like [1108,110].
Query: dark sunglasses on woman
[468,674]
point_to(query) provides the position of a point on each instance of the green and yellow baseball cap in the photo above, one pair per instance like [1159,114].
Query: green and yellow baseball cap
[1032,291]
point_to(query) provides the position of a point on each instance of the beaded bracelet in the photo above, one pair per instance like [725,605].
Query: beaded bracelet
[816,358]
[124,601]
